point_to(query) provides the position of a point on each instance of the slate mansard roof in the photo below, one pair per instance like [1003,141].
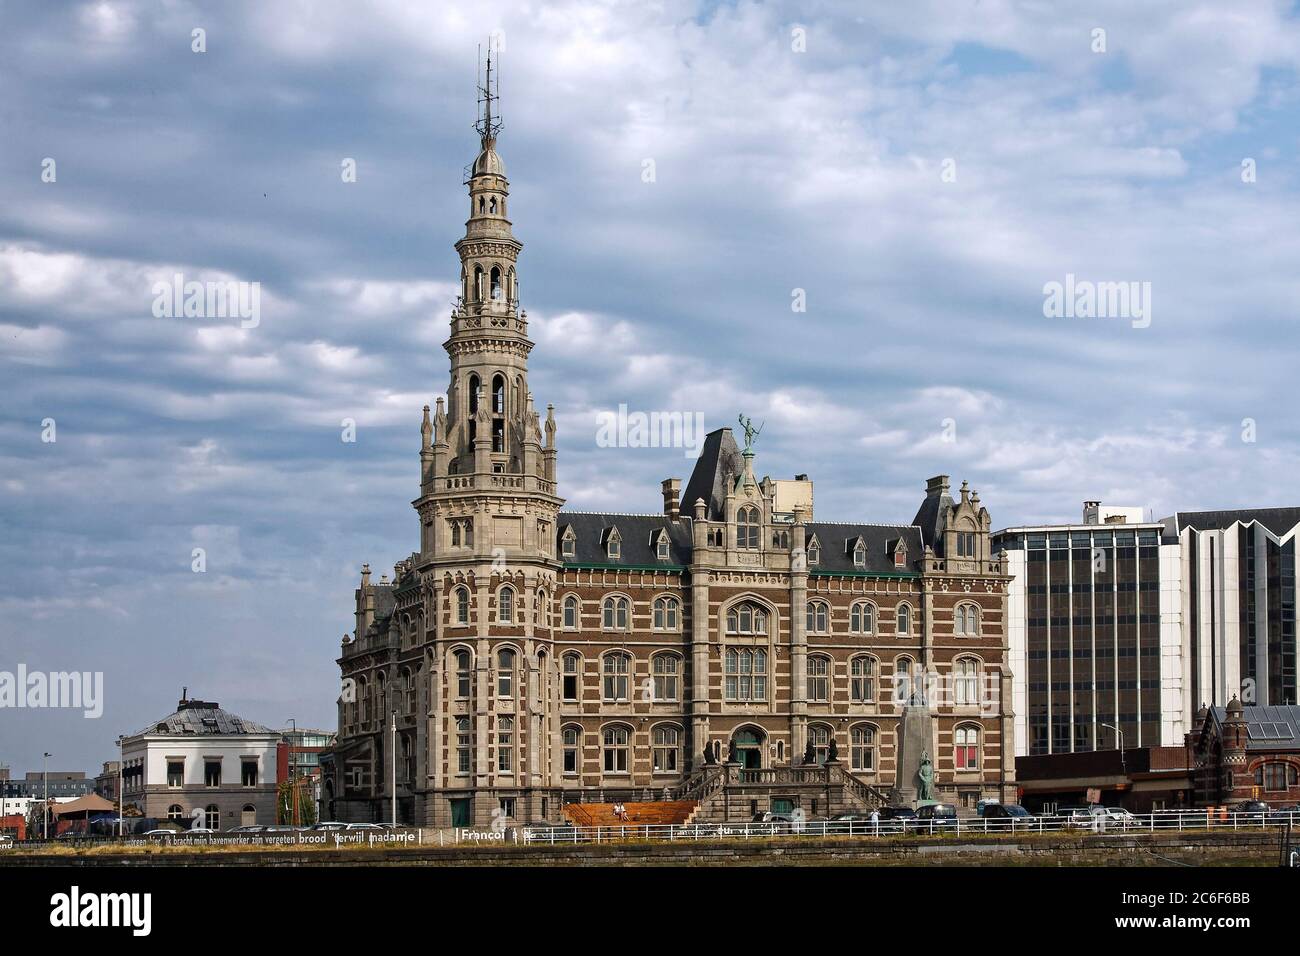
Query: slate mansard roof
[198,718]
[720,458]
[636,531]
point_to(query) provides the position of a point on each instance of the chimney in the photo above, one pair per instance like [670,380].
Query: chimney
[672,490]
[938,485]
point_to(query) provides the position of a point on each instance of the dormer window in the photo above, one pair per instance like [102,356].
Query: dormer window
[661,545]
[614,545]
[814,552]
[568,544]
[859,554]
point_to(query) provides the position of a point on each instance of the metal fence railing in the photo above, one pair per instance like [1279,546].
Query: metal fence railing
[1175,820]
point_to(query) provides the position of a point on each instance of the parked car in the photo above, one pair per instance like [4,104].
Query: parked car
[934,817]
[160,835]
[1005,816]
[1076,817]
[1287,814]
[896,819]
[1251,809]
[983,804]
[330,825]
[1113,818]
[852,822]
[363,826]
[249,828]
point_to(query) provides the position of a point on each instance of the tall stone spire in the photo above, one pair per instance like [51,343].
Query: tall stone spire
[488,443]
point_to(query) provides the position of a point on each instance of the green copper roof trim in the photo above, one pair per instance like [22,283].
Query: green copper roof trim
[864,574]
[671,568]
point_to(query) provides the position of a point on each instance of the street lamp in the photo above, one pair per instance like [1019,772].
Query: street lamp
[1120,734]
[121,828]
[293,769]
[45,808]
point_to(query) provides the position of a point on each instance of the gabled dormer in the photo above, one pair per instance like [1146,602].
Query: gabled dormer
[857,548]
[814,551]
[896,548]
[568,543]
[660,544]
[612,543]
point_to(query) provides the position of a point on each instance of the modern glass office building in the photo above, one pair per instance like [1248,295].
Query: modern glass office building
[1094,633]
[1239,577]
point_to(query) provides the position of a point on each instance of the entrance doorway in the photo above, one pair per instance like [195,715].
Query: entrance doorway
[749,748]
[461,815]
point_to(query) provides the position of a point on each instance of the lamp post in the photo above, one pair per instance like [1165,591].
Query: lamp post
[45,804]
[1120,739]
[392,766]
[293,770]
[121,827]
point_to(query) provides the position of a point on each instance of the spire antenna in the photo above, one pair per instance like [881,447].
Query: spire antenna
[487,125]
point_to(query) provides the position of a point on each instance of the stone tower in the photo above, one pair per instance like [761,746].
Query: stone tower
[487,487]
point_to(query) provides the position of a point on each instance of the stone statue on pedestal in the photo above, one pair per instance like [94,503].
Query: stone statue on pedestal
[925,779]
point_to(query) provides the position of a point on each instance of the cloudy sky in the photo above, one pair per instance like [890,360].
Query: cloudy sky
[921,171]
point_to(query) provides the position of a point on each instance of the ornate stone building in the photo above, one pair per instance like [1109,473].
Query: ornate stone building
[526,657]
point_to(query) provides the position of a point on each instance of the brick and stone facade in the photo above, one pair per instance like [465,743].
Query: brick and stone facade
[526,656]
[1246,753]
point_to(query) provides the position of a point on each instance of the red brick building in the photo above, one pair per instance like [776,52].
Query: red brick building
[1246,753]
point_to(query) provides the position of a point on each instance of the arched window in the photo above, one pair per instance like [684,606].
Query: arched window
[616,749]
[616,668]
[667,748]
[505,672]
[967,620]
[455,533]
[665,614]
[571,613]
[746,673]
[464,741]
[614,613]
[904,619]
[1276,776]
[463,674]
[175,812]
[664,668]
[505,744]
[818,617]
[543,608]
[902,680]
[746,618]
[496,278]
[492,208]
[212,817]
[506,605]
[363,701]
[862,683]
[408,690]
[819,682]
[966,747]
[499,393]
[862,749]
[966,681]
[819,736]
[478,273]
[572,676]
[462,605]
[747,525]
[862,618]
[572,748]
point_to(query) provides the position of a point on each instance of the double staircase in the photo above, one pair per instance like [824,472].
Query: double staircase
[720,793]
